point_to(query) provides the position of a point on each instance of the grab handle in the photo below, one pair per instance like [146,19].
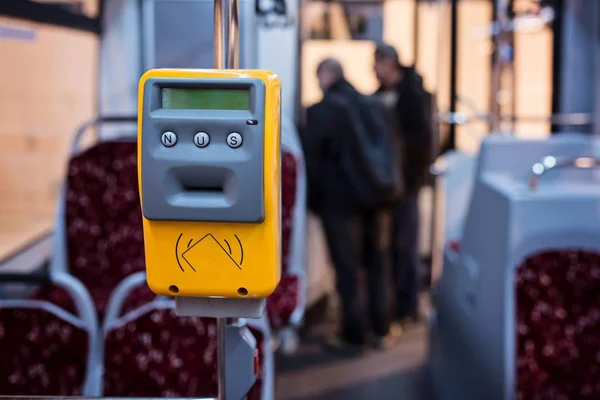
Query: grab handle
[96,122]
[550,163]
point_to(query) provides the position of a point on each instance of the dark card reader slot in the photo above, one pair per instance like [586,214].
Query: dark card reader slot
[216,190]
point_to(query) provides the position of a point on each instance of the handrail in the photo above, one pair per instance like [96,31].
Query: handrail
[109,119]
[460,118]
[550,163]
[565,119]
[527,23]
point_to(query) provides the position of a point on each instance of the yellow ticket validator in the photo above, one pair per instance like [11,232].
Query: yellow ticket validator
[209,172]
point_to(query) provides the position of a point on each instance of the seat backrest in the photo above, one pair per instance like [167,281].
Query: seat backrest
[45,350]
[293,200]
[152,352]
[283,305]
[557,306]
[515,156]
[289,186]
[135,329]
[102,218]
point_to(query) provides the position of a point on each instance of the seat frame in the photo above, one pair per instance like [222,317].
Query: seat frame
[297,249]
[86,320]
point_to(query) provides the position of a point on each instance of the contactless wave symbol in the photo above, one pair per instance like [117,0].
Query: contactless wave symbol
[208,250]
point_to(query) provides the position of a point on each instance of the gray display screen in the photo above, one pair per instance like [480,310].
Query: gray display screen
[205,99]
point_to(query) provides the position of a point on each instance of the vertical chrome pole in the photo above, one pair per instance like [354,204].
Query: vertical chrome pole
[226,51]
[232,55]
[219,38]
[226,34]
[500,39]
[221,356]
[219,34]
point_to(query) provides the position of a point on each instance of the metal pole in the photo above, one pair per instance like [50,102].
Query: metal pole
[454,48]
[219,34]
[222,354]
[226,34]
[232,55]
[498,67]
[226,55]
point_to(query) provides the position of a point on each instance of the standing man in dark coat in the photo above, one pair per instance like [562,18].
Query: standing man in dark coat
[406,100]
[353,235]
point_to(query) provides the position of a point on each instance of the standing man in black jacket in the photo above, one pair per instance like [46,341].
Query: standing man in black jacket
[406,100]
[353,234]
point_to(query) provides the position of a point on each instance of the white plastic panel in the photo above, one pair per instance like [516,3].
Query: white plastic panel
[474,330]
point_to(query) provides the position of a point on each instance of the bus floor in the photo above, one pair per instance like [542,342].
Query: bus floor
[318,374]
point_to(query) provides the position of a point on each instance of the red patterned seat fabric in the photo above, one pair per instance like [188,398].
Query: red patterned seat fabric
[558,326]
[103,217]
[282,303]
[284,300]
[161,354]
[146,357]
[136,298]
[289,176]
[42,355]
[105,242]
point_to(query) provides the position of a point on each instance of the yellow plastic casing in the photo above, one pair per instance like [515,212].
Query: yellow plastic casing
[217,274]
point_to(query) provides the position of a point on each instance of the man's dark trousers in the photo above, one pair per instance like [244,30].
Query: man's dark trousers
[406,262]
[354,238]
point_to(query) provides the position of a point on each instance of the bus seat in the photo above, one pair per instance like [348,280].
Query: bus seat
[46,350]
[152,352]
[99,223]
[285,307]
[103,237]
[515,315]
[282,303]
[147,347]
[457,177]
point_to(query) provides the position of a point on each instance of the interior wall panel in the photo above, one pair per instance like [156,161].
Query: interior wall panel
[48,85]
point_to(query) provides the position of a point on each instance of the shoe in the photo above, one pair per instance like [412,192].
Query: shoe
[410,321]
[396,329]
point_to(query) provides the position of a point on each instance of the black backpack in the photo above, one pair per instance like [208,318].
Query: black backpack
[370,156]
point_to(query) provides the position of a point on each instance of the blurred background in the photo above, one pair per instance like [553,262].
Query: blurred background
[56,56]
[524,70]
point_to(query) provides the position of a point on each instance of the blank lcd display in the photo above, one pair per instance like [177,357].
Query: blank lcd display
[205,99]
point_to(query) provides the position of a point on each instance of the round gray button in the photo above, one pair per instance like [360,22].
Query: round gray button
[168,139]
[234,140]
[201,139]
